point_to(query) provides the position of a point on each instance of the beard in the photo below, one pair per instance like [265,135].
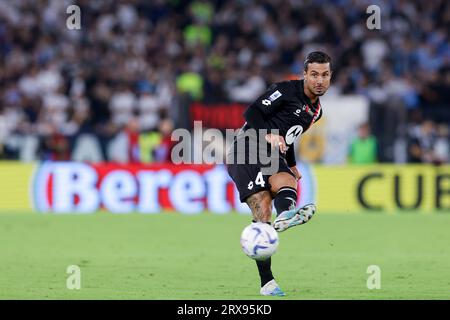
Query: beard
[320,93]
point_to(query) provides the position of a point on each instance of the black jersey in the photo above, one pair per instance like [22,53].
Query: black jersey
[284,106]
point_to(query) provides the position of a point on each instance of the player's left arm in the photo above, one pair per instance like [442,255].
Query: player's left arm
[291,162]
[290,156]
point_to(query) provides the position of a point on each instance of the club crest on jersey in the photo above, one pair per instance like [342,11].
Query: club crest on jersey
[293,133]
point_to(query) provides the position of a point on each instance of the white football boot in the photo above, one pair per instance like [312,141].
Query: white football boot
[271,288]
[294,217]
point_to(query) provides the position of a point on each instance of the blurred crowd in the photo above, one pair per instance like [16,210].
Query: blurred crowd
[133,62]
[425,142]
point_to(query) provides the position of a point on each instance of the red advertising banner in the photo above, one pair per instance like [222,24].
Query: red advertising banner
[220,116]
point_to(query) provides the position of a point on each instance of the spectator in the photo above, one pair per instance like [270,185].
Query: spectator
[162,152]
[191,83]
[132,133]
[197,34]
[422,142]
[442,146]
[122,105]
[148,105]
[55,146]
[363,149]
[156,146]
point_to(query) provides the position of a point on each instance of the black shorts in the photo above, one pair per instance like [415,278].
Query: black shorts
[248,171]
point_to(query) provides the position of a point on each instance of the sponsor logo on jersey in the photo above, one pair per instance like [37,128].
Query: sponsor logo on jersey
[293,133]
[274,96]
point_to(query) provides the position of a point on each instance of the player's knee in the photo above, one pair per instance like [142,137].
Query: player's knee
[282,180]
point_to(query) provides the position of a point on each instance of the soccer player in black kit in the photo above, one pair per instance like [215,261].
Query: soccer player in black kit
[285,111]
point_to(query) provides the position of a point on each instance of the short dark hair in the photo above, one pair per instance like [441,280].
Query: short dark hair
[316,57]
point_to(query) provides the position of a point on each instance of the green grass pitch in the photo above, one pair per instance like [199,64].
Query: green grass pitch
[174,256]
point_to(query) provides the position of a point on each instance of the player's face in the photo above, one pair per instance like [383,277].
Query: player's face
[317,78]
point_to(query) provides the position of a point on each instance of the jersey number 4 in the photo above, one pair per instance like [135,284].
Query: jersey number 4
[258,181]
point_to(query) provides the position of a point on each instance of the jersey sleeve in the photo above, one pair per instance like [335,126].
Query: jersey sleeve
[272,99]
[267,103]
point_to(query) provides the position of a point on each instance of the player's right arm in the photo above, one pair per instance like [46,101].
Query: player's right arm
[256,113]
[276,140]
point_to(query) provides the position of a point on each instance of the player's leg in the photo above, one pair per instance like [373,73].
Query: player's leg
[260,204]
[256,194]
[283,187]
[284,192]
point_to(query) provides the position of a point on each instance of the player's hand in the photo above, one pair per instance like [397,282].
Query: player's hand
[296,173]
[276,141]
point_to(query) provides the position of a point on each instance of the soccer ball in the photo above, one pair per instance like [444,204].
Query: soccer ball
[259,241]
